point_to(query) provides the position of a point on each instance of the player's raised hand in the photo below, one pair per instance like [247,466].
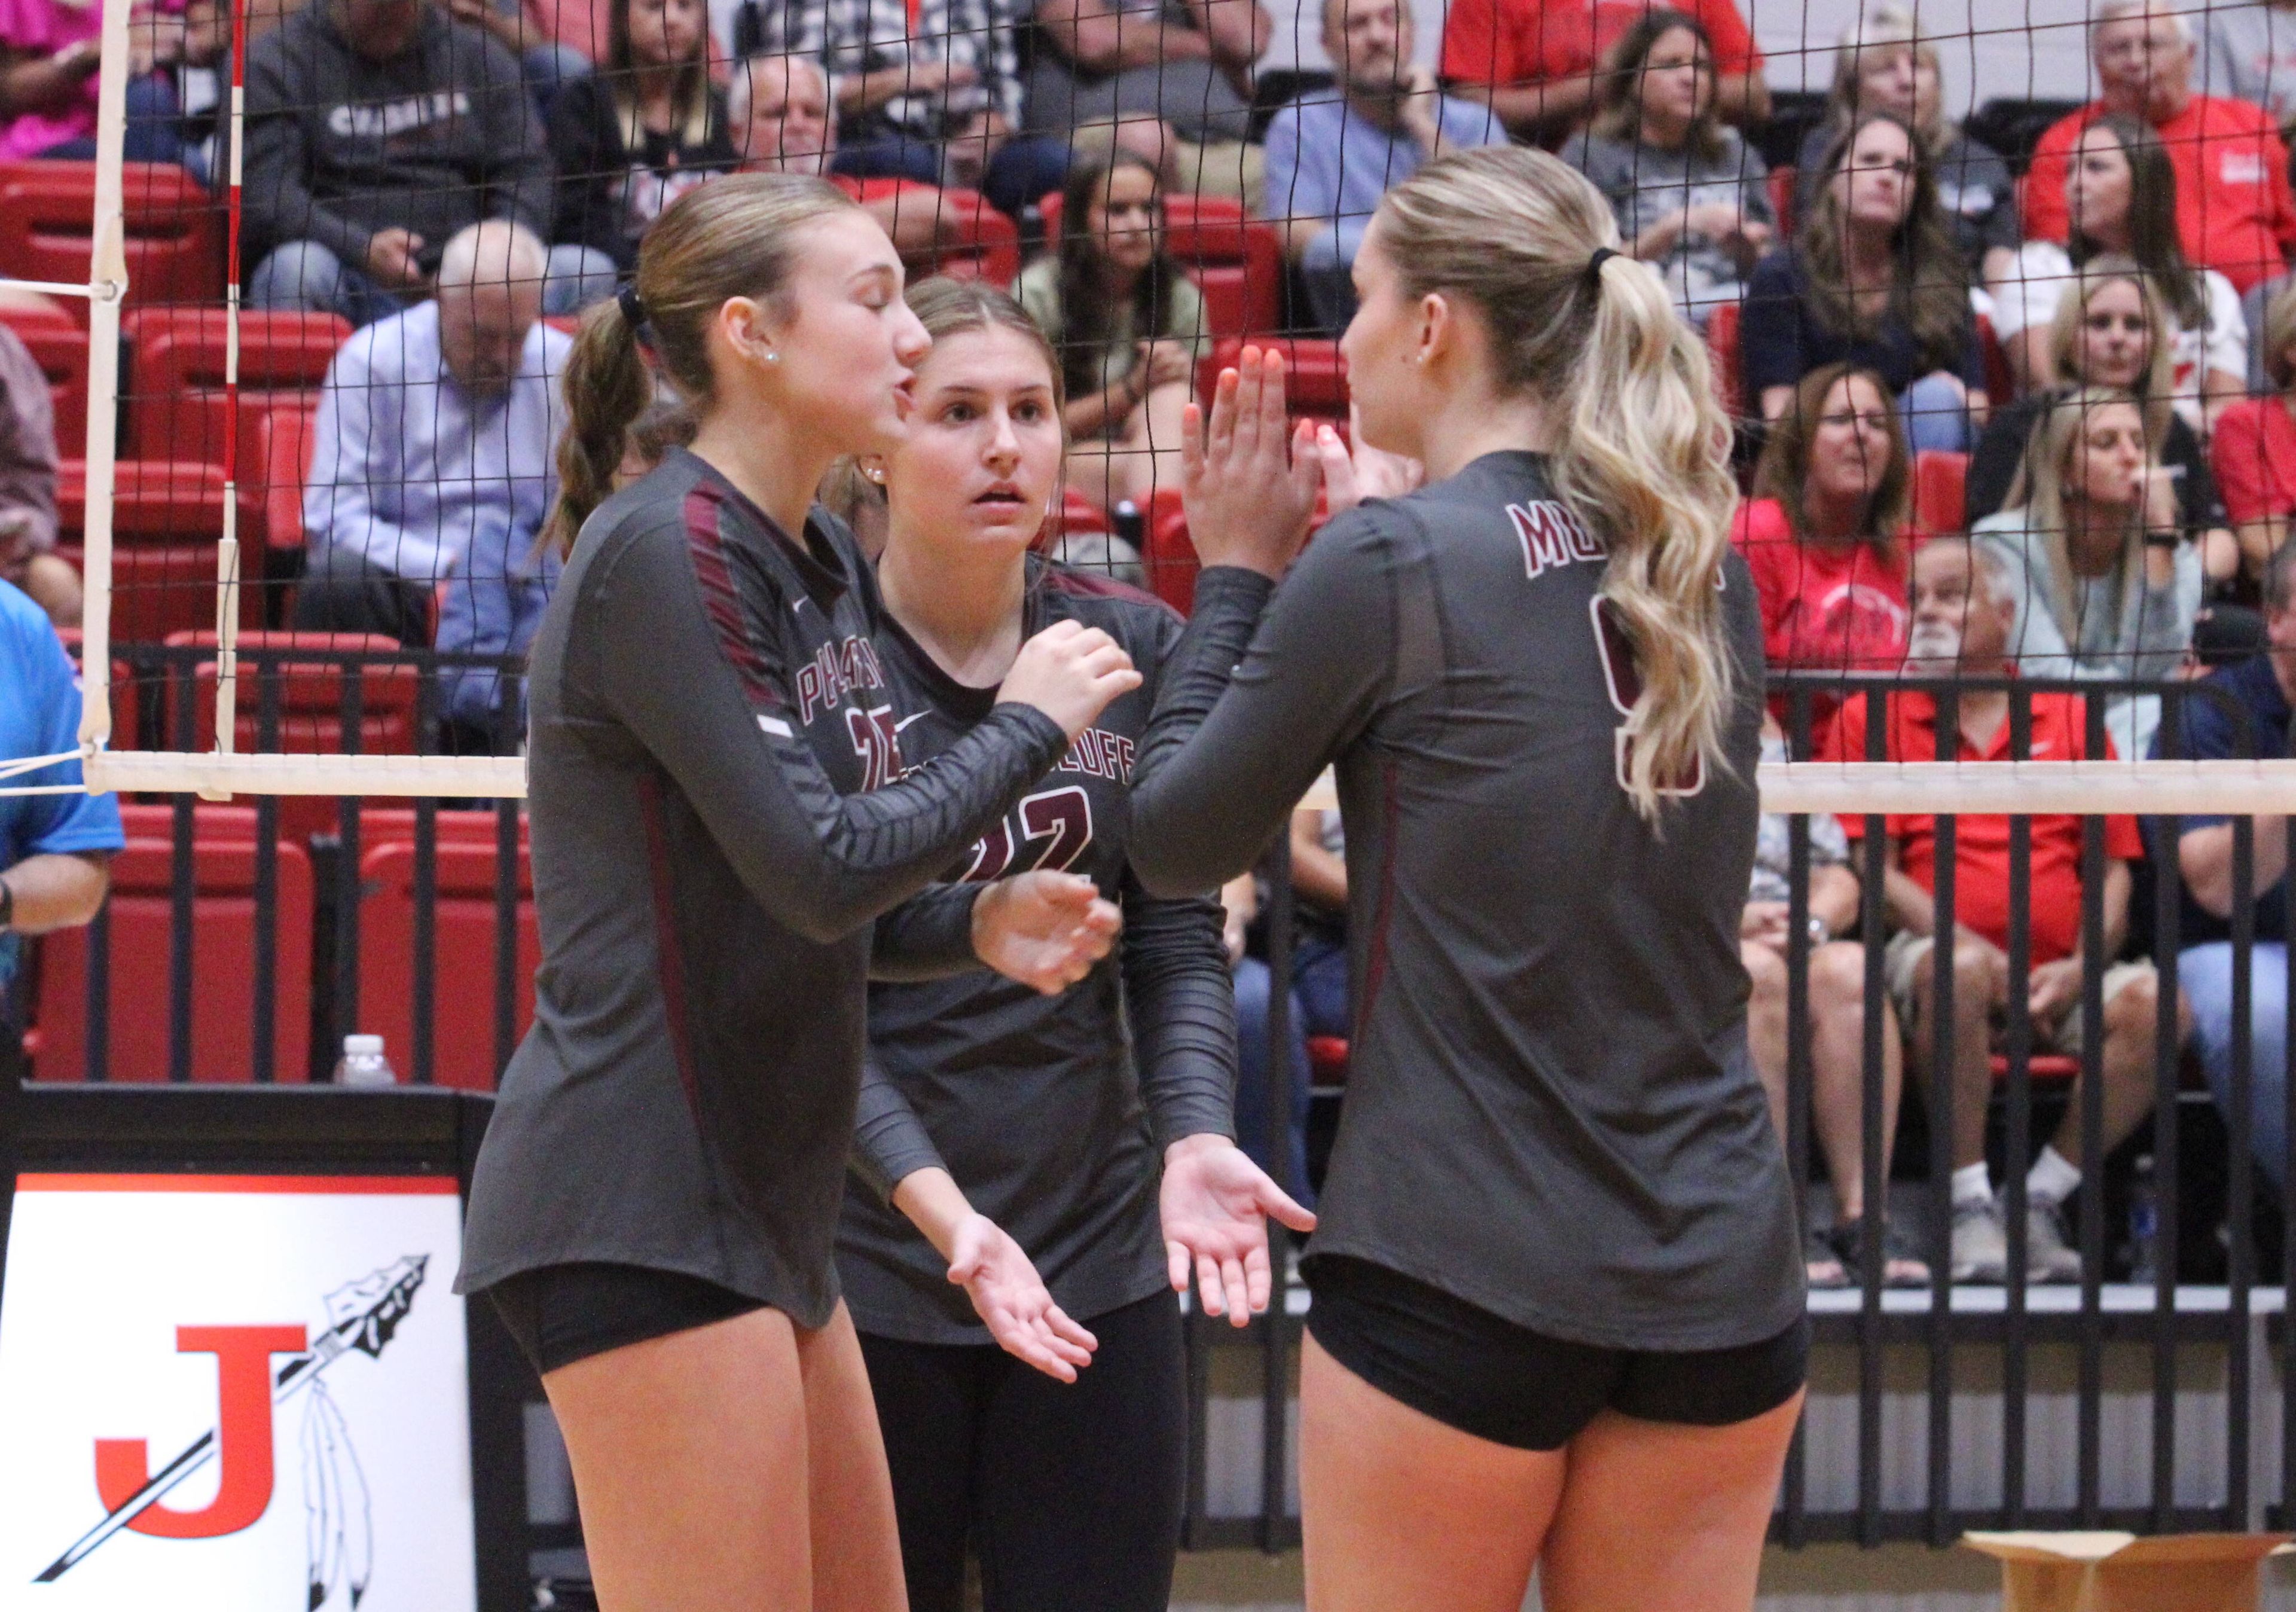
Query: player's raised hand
[1214,1204]
[1248,476]
[1353,474]
[1070,672]
[1044,930]
[1013,1303]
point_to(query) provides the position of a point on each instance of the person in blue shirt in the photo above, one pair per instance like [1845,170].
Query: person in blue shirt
[55,850]
[2236,712]
[437,427]
[1331,154]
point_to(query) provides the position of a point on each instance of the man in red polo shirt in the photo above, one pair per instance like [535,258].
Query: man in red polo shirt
[1961,617]
[1536,62]
[2233,208]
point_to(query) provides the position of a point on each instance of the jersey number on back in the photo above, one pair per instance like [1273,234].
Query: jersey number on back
[1055,831]
[1625,680]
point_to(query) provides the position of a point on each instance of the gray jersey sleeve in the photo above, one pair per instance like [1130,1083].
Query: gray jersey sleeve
[1181,1003]
[821,863]
[889,1142]
[928,936]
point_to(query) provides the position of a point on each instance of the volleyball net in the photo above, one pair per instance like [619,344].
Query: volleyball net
[301,507]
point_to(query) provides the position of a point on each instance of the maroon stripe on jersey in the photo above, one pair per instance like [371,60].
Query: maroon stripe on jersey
[705,545]
[1082,584]
[1375,954]
[665,928]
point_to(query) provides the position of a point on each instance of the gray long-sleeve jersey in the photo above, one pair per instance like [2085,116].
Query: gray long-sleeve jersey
[1551,1110]
[436,139]
[1051,1112]
[719,812]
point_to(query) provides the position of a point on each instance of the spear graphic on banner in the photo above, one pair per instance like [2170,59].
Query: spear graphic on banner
[361,1315]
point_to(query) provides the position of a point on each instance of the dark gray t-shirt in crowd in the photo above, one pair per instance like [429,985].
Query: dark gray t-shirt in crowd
[1551,1110]
[711,776]
[1643,183]
[1032,1102]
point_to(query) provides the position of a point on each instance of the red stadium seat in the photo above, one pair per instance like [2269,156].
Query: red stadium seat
[1237,262]
[1316,377]
[1170,560]
[1722,347]
[224,941]
[1782,183]
[271,496]
[978,243]
[58,344]
[1327,1060]
[1939,484]
[175,397]
[463,989]
[1074,513]
[165,520]
[173,239]
[2040,1065]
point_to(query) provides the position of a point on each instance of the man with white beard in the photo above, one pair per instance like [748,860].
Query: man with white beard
[1962,617]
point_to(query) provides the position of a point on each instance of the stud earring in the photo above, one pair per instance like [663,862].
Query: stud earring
[772,358]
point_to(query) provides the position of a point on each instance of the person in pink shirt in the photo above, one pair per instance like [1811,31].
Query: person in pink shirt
[2234,207]
[48,52]
[1825,533]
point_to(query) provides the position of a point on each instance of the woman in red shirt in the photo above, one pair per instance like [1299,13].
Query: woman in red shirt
[2253,451]
[1824,534]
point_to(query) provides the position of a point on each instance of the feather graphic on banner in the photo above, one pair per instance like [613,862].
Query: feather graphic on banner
[339,1523]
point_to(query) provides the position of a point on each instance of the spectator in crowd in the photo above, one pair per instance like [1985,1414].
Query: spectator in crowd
[2110,330]
[1884,66]
[555,41]
[2234,209]
[635,136]
[55,850]
[1254,988]
[780,109]
[1540,63]
[2120,193]
[1837,1032]
[930,92]
[1825,533]
[2261,695]
[1186,64]
[1332,156]
[1127,323]
[376,131]
[435,445]
[1871,279]
[2250,54]
[28,486]
[1963,617]
[2092,562]
[2254,448]
[1693,199]
[48,57]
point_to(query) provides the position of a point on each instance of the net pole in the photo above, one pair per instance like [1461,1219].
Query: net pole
[227,555]
[106,285]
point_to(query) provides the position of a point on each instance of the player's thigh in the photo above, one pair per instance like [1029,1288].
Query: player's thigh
[690,1459]
[856,1545]
[1663,1514]
[1403,1513]
[1082,1483]
[931,1402]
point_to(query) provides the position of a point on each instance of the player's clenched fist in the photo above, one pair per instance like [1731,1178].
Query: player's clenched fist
[1070,672]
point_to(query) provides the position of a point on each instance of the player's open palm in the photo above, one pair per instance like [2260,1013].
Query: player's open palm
[1044,930]
[1013,1303]
[1248,477]
[1214,1203]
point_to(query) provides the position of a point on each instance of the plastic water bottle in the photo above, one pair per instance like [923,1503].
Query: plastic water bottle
[2144,1225]
[364,1064]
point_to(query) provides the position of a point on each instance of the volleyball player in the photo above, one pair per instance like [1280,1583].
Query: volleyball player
[1010,1128]
[1558,1308]
[719,812]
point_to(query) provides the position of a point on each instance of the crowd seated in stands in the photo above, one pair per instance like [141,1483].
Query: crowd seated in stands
[54,848]
[1825,533]
[435,447]
[2261,692]
[2233,208]
[1837,1032]
[2092,560]
[2120,195]
[2108,330]
[1871,278]
[780,107]
[28,486]
[1884,66]
[632,137]
[345,209]
[1331,154]
[555,41]
[2254,449]
[1964,611]
[1540,63]
[48,54]
[1127,323]
[1319,982]
[1183,65]
[1691,198]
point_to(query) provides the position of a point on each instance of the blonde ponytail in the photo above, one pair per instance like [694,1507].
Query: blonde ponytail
[1642,454]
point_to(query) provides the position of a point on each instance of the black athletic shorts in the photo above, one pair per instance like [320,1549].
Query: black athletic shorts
[562,1314]
[1486,1376]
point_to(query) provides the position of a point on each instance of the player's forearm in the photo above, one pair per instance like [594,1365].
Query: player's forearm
[935,1205]
[56,891]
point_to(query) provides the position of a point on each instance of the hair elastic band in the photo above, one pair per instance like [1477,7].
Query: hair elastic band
[633,305]
[1603,254]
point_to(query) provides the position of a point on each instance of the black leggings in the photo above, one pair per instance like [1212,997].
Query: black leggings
[1070,1493]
